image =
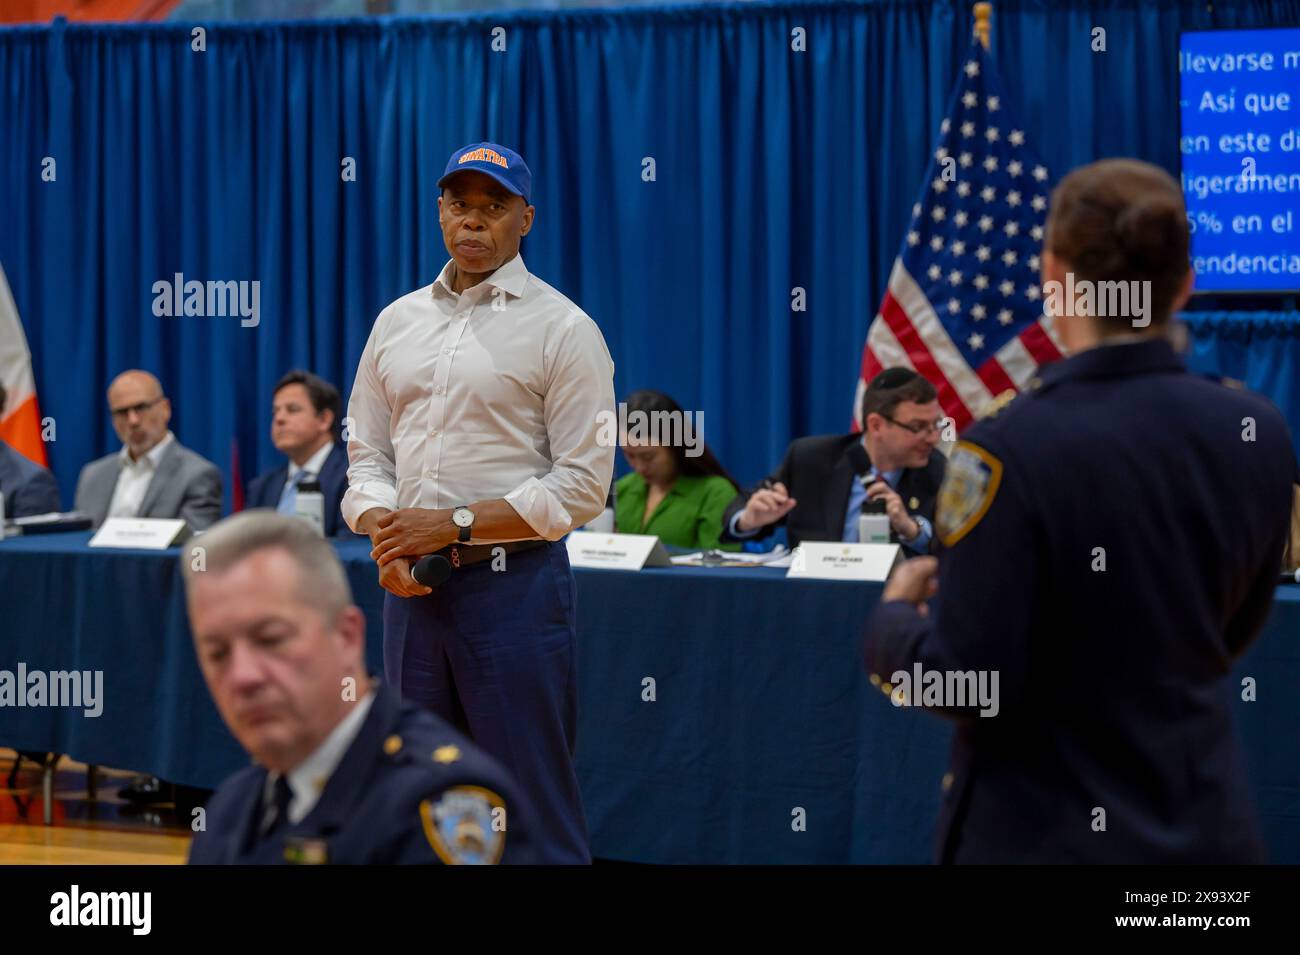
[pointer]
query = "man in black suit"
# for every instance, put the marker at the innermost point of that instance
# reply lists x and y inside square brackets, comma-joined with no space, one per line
[825,481]
[305,412]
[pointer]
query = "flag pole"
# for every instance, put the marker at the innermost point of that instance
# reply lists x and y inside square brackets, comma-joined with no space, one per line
[983,15]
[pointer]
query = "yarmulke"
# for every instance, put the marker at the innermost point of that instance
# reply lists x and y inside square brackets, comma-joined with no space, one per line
[892,378]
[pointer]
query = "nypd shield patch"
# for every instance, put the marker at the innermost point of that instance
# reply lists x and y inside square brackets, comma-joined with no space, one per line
[465,825]
[969,484]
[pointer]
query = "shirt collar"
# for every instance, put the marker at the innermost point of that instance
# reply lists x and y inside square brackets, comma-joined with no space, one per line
[314,463]
[153,456]
[307,780]
[510,278]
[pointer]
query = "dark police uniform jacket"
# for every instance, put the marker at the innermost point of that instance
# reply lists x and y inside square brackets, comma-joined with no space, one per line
[410,790]
[1110,544]
[818,472]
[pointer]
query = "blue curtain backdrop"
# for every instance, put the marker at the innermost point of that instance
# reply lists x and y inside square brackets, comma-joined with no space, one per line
[773,169]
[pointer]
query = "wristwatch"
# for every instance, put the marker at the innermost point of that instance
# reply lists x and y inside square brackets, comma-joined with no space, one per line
[463,518]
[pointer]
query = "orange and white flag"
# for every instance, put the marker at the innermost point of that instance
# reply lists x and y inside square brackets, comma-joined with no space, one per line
[20,421]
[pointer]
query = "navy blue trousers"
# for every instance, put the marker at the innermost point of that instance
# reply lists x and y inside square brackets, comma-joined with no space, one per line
[493,653]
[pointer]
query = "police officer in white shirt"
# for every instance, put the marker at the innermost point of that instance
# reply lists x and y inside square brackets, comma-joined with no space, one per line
[473,428]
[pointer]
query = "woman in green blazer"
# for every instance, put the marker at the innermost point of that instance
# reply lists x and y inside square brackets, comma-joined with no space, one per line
[678,497]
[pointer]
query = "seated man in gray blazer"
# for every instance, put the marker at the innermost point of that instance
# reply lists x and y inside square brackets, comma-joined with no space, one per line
[153,475]
[27,487]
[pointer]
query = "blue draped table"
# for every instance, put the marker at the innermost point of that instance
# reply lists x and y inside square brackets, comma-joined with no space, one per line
[763,741]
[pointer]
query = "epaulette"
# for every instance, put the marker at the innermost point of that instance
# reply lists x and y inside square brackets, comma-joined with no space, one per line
[995,405]
[396,748]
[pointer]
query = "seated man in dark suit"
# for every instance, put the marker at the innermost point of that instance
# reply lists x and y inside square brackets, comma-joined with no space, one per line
[821,487]
[27,487]
[344,771]
[304,421]
[153,475]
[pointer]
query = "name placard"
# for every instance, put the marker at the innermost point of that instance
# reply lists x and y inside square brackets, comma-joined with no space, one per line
[829,560]
[141,533]
[616,551]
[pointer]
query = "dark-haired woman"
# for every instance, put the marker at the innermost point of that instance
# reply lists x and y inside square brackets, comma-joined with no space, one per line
[1111,543]
[674,491]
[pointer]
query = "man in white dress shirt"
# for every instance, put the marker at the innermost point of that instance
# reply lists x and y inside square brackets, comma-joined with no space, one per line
[473,428]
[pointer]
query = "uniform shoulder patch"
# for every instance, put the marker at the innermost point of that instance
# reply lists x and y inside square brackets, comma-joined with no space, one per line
[466,825]
[970,481]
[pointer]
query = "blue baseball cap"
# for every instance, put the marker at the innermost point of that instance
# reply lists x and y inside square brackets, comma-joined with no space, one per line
[504,165]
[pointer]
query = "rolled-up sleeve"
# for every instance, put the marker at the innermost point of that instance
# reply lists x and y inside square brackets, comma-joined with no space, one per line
[579,397]
[372,468]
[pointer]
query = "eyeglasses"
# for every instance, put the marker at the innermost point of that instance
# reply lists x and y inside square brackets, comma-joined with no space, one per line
[140,408]
[919,428]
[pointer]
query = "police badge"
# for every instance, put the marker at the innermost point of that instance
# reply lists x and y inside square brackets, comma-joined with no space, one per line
[466,826]
[969,483]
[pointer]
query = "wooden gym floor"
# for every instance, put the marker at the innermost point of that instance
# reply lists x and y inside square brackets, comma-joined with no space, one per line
[107,831]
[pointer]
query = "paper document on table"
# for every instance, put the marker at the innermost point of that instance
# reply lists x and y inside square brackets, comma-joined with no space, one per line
[47,518]
[780,557]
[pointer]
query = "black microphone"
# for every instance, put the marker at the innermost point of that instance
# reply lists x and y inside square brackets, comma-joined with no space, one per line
[1290,577]
[431,570]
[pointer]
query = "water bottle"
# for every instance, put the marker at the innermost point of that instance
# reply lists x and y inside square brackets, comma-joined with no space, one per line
[310,504]
[873,523]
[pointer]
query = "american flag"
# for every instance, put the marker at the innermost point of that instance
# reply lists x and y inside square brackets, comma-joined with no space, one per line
[964,304]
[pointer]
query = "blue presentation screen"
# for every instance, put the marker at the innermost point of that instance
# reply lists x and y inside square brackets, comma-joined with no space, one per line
[1240,148]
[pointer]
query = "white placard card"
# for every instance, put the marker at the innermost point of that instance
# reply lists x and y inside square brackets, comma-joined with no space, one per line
[829,560]
[616,551]
[140,533]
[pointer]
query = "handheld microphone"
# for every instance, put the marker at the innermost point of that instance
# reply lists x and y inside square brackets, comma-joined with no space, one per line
[431,570]
[873,521]
[1290,577]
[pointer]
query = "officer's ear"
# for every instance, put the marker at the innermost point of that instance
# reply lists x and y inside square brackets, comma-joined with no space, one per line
[351,625]
[529,212]
[1052,268]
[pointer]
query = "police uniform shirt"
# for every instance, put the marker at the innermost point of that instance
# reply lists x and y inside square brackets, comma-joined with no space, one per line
[307,780]
[1110,545]
[407,789]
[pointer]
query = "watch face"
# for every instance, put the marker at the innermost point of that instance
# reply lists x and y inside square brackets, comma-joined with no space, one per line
[462,517]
